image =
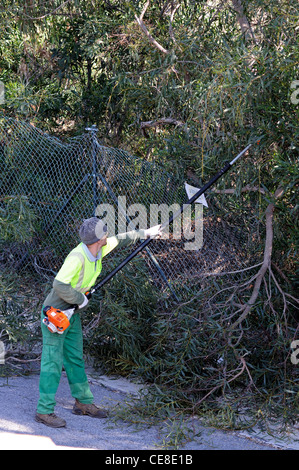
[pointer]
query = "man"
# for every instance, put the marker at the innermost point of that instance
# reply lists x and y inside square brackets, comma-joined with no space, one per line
[75,278]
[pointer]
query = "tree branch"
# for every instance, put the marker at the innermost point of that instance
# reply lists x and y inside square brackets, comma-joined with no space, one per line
[228,381]
[48,14]
[246,189]
[146,31]
[171,33]
[266,262]
[161,122]
[242,20]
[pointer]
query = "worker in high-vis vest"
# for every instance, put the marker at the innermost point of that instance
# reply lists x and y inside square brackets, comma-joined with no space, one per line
[76,277]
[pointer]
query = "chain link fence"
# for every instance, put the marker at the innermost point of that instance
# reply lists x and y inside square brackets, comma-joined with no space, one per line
[55,185]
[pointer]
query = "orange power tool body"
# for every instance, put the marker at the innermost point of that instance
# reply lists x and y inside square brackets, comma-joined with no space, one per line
[57,320]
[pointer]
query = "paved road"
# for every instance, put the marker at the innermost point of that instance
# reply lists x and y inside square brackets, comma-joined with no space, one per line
[18,429]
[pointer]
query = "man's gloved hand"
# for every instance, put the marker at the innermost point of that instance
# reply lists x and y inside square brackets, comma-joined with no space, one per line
[84,303]
[153,232]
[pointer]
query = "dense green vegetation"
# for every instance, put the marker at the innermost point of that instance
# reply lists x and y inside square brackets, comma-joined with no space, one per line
[187,84]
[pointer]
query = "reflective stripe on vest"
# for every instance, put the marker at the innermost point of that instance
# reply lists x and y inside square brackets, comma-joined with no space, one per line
[90,270]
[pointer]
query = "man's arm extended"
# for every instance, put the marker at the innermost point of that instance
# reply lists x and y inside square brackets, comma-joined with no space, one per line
[129,238]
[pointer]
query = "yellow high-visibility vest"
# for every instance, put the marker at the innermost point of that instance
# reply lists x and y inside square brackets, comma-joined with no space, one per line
[79,271]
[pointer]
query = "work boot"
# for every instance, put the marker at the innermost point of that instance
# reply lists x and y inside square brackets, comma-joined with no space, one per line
[50,420]
[89,410]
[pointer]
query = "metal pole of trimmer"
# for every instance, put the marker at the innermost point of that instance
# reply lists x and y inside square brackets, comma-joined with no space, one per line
[144,244]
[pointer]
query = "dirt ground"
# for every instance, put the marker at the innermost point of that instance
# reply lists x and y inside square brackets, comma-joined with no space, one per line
[19,430]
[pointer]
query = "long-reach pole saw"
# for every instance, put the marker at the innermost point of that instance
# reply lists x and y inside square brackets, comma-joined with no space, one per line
[172,218]
[51,315]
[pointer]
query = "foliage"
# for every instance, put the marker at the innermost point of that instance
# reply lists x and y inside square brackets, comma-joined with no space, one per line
[16,219]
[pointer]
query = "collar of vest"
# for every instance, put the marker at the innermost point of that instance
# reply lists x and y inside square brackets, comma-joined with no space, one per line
[90,255]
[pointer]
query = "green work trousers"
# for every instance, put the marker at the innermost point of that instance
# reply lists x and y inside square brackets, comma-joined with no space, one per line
[58,351]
